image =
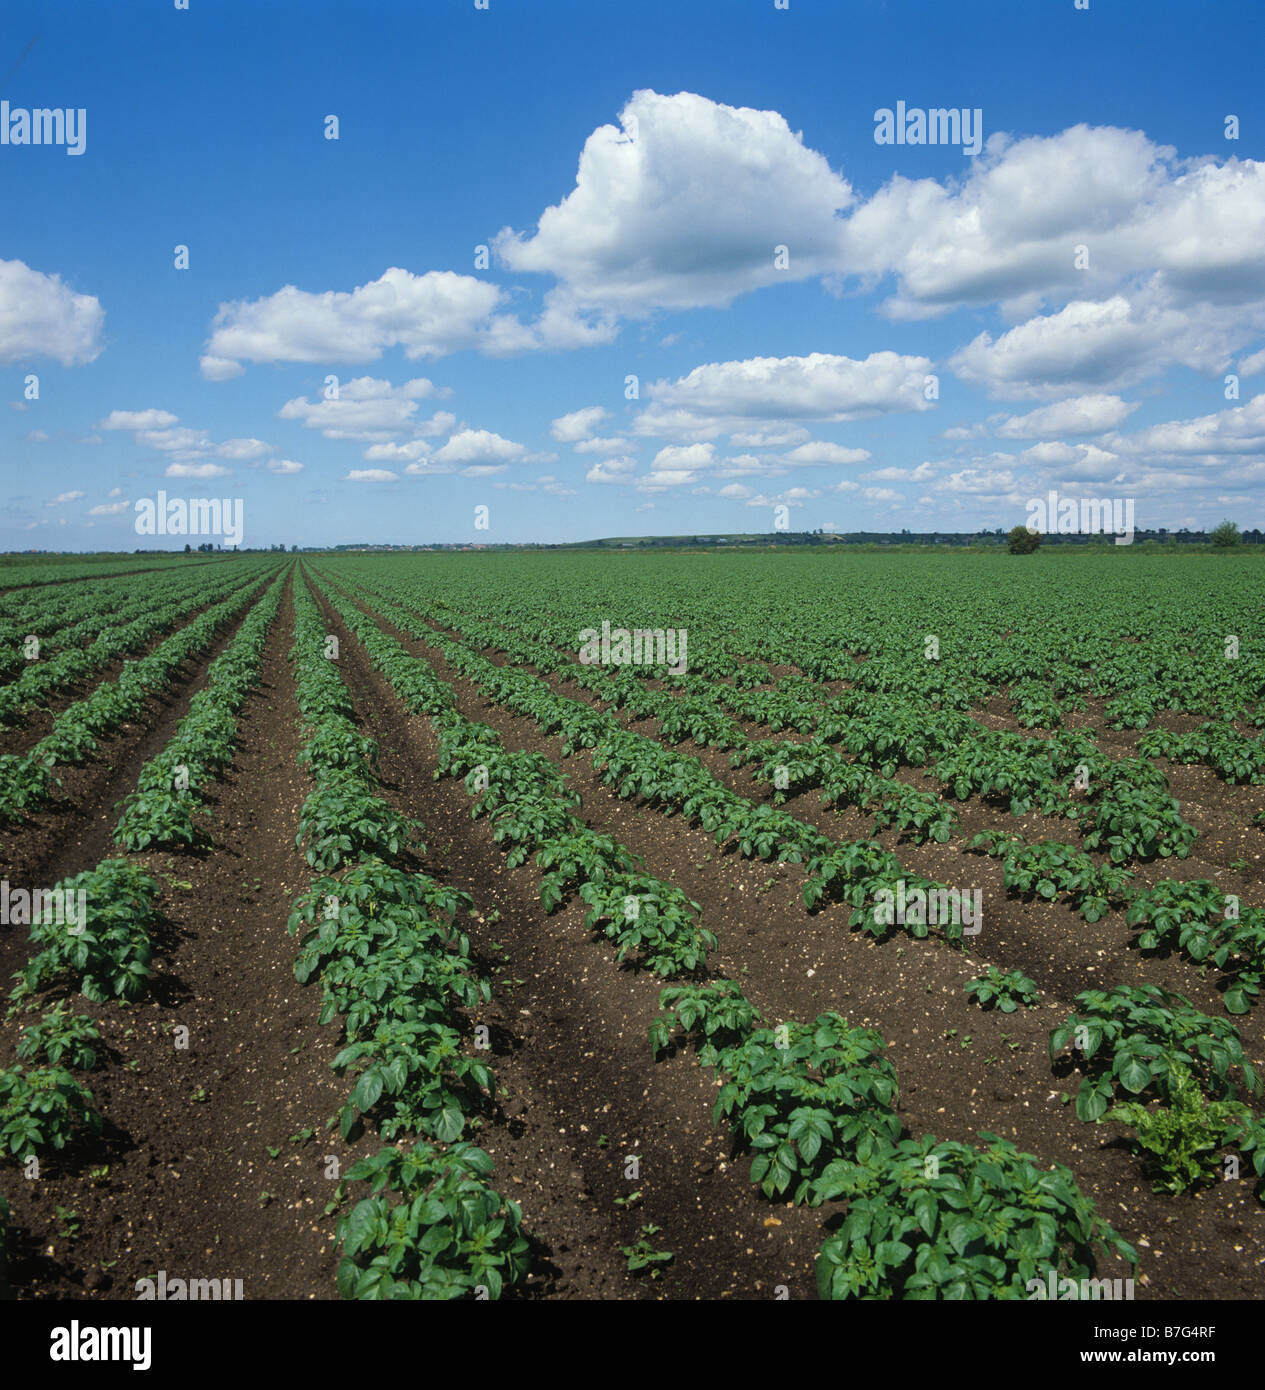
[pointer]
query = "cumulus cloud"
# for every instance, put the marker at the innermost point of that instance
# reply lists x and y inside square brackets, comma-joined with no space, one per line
[1009,230]
[243,450]
[1092,344]
[369,409]
[219,368]
[579,425]
[63,497]
[682,205]
[684,456]
[1240,430]
[483,448]
[980,482]
[604,444]
[398,453]
[426,315]
[283,466]
[612,470]
[921,474]
[109,508]
[792,497]
[371,475]
[41,316]
[1092,414]
[1057,461]
[783,437]
[173,440]
[196,470]
[138,420]
[724,397]
[819,454]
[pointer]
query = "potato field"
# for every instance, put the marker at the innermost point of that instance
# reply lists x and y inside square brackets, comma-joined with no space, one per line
[812,924]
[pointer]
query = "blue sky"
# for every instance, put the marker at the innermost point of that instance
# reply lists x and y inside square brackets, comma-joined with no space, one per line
[1078,291]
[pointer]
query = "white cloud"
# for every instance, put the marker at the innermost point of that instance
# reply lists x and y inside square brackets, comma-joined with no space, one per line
[604,444]
[921,474]
[684,456]
[196,470]
[243,449]
[793,497]
[776,438]
[1240,430]
[1091,414]
[725,397]
[441,422]
[138,420]
[172,440]
[683,207]
[371,475]
[819,453]
[427,315]
[367,409]
[1087,345]
[109,508]
[283,466]
[219,368]
[1064,462]
[1008,230]
[482,448]
[64,497]
[580,424]
[1253,365]
[398,453]
[659,480]
[982,482]
[40,316]
[612,470]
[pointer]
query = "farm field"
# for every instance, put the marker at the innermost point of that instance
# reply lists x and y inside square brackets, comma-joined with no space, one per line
[417,935]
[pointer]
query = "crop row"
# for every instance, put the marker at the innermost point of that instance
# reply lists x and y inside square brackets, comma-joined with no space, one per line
[62,617]
[1226,936]
[816,1103]
[92,934]
[1121,805]
[26,781]
[532,811]
[393,964]
[1188,645]
[133,627]
[171,787]
[634,765]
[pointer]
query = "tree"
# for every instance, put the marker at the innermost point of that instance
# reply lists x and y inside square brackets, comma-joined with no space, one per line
[1022,541]
[1226,534]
